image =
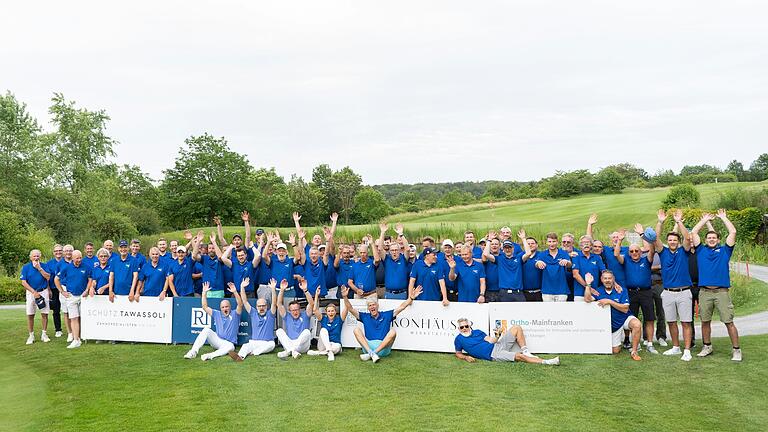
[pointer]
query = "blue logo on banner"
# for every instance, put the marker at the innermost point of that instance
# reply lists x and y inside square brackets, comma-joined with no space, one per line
[189,318]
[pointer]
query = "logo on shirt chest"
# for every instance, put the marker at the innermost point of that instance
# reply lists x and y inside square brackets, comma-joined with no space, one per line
[433,271]
[594,262]
[642,264]
[474,271]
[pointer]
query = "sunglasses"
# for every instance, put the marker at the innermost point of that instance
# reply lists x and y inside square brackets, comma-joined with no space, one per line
[463,327]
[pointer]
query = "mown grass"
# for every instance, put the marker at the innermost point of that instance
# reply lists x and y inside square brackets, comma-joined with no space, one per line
[150,387]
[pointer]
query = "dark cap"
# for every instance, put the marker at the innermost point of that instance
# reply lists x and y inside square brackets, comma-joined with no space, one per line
[429,250]
[122,243]
[238,236]
[507,243]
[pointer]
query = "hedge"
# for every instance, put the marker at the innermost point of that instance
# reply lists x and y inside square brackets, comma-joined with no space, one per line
[746,221]
[11,290]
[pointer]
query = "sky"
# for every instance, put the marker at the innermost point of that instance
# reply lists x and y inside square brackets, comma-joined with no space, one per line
[406,91]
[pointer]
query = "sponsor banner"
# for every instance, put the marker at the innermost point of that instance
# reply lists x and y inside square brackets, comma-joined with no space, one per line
[148,320]
[423,326]
[554,327]
[189,319]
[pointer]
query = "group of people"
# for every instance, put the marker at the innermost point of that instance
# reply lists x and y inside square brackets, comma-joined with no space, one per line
[497,268]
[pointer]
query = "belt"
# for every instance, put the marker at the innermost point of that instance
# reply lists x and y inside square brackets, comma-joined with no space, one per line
[637,288]
[513,291]
[711,288]
[398,291]
[367,293]
[677,289]
[532,291]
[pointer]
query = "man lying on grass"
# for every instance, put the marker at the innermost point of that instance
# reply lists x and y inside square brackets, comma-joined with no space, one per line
[508,345]
[621,318]
[223,340]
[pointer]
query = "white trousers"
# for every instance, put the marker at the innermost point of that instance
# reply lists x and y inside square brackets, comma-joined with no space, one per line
[221,346]
[300,344]
[554,298]
[256,347]
[324,343]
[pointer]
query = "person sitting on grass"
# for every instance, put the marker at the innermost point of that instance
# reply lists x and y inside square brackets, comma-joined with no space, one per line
[329,340]
[295,337]
[508,345]
[621,318]
[223,340]
[377,335]
[262,322]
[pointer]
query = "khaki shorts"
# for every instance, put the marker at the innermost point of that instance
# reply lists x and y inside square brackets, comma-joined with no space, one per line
[677,305]
[711,299]
[72,306]
[32,306]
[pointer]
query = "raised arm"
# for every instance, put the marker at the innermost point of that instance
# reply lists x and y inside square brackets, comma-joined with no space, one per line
[684,233]
[706,217]
[731,239]
[661,217]
[347,304]
[224,257]
[617,246]
[590,223]
[380,244]
[204,299]
[272,287]
[334,219]
[405,304]
[374,250]
[296,219]
[526,247]
[487,255]
[246,217]
[280,305]
[243,297]
[256,256]
[316,306]
[220,231]
[401,237]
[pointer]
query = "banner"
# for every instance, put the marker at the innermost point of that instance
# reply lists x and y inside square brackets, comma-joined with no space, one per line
[189,319]
[148,320]
[554,327]
[423,326]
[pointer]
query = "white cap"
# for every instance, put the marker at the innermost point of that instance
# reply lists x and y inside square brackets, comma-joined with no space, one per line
[322,246]
[448,242]
[181,248]
[282,246]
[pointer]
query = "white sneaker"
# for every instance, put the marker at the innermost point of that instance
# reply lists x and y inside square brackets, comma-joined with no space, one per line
[295,354]
[190,354]
[736,355]
[205,357]
[331,356]
[70,337]
[675,350]
[663,342]
[31,339]
[529,354]
[649,347]
[74,344]
[314,353]
[374,357]
[686,356]
[705,351]
[282,355]
[44,337]
[552,362]
[58,334]
[365,357]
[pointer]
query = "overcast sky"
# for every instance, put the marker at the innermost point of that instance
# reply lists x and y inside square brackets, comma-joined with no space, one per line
[406,91]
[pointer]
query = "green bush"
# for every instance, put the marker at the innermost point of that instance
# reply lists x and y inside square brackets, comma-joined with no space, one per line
[737,199]
[681,196]
[746,221]
[11,290]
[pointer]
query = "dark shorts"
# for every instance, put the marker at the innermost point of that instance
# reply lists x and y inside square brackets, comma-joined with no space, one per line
[511,296]
[532,296]
[642,300]
[491,296]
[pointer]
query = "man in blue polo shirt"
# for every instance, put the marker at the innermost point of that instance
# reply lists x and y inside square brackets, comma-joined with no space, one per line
[531,274]
[428,276]
[34,278]
[447,250]
[396,268]
[281,266]
[637,270]
[363,278]
[89,257]
[205,255]
[554,264]
[598,248]
[227,323]
[262,322]
[492,248]
[241,267]
[677,299]
[123,274]
[470,276]
[180,274]
[73,281]
[585,262]
[295,336]
[136,253]
[314,269]
[52,266]
[622,319]
[377,335]
[712,258]
[153,276]
[510,267]
[469,241]
[507,346]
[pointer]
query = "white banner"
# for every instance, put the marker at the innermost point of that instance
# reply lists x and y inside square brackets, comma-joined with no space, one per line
[555,327]
[149,320]
[423,326]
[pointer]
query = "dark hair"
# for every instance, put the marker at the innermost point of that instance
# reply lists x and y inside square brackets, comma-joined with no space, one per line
[240,249]
[552,235]
[387,237]
[89,244]
[532,238]
[672,233]
[715,233]
[294,302]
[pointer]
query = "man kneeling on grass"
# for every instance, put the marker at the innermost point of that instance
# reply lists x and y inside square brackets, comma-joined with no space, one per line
[508,345]
[377,335]
[227,323]
[621,318]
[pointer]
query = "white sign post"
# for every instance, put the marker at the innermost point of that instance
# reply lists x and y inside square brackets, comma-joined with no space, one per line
[149,320]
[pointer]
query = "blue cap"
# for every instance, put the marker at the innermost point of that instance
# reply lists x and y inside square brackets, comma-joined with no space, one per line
[649,235]
[123,243]
[429,250]
[507,243]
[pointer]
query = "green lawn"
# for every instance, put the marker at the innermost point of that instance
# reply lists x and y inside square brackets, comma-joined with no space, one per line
[150,387]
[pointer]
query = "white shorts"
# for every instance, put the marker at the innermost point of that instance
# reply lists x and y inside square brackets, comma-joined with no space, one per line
[72,306]
[554,297]
[618,335]
[32,306]
[578,299]
[678,305]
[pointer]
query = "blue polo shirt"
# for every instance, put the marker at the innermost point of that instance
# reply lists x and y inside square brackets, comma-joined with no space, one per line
[532,275]
[315,276]
[264,273]
[477,252]
[674,268]
[33,277]
[553,277]
[167,258]
[364,275]
[91,262]
[638,273]
[395,273]
[294,326]
[262,327]
[140,260]
[182,276]
[612,263]
[713,265]
[492,274]
[123,269]
[330,273]
[474,345]
[377,328]
[510,270]
[227,326]
[154,278]
[344,272]
[333,328]
[449,284]
[617,317]
[242,271]
[52,267]
[429,278]
[75,278]
[593,265]
[101,276]
[212,272]
[282,270]
[468,280]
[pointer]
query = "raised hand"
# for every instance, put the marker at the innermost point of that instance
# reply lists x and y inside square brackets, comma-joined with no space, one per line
[207,287]
[246,281]
[245,216]
[451,261]
[188,235]
[399,229]
[639,228]
[292,238]
[301,233]
[521,234]
[622,234]
[721,214]
[383,227]
[296,216]
[334,217]
[492,235]
[592,219]
[302,284]
[327,233]
[284,284]
[200,235]
[344,291]
[217,220]
[662,215]
[708,217]
[678,216]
